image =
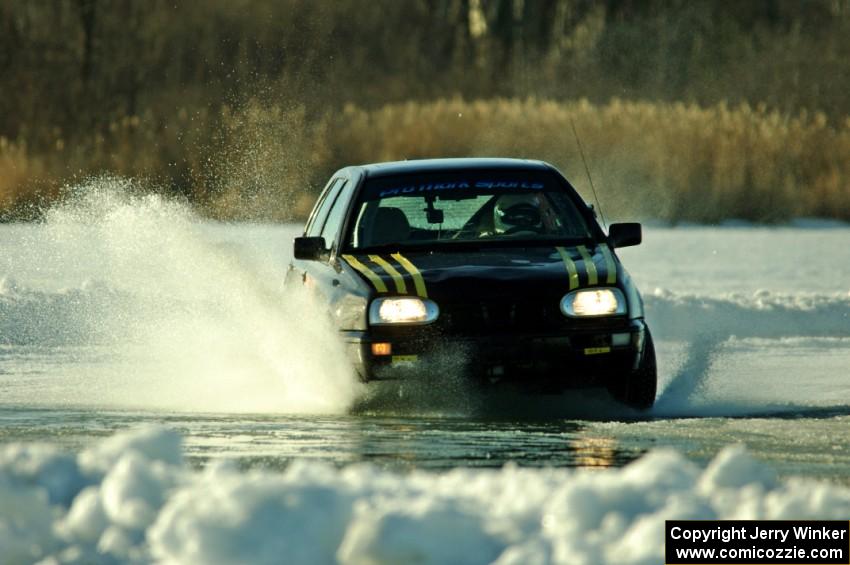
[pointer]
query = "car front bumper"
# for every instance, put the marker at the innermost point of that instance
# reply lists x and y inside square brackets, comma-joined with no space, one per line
[576,357]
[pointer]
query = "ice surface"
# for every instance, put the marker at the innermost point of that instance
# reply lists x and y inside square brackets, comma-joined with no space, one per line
[131,499]
[712,261]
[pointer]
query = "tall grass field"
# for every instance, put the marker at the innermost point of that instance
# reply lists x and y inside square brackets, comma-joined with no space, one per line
[648,160]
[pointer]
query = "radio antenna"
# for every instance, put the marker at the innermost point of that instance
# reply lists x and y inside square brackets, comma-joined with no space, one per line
[587,170]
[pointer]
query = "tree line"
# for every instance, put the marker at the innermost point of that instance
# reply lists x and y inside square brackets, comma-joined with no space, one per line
[73,69]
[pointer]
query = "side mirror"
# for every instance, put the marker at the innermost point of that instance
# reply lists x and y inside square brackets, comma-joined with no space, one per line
[625,234]
[310,248]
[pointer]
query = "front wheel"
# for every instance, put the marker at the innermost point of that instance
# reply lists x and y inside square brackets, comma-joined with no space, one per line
[638,389]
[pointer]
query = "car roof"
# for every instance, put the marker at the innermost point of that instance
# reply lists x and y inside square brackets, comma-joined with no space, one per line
[452,164]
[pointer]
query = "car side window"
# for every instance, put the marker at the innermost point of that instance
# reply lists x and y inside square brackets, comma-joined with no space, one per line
[330,231]
[317,220]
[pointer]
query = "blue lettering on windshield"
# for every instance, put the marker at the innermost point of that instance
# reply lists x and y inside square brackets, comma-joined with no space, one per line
[429,187]
[511,184]
[416,188]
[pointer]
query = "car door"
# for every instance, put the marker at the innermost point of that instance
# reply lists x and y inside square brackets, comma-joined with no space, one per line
[322,273]
[315,224]
[341,290]
[327,223]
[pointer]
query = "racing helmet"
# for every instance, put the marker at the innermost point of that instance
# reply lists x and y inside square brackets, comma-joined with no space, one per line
[517,212]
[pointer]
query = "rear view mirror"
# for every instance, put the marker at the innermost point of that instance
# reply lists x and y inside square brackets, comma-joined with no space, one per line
[434,216]
[310,248]
[625,234]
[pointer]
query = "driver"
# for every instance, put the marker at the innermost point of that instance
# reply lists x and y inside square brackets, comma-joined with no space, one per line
[517,213]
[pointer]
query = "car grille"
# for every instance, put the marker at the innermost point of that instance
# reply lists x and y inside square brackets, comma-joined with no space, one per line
[476,318]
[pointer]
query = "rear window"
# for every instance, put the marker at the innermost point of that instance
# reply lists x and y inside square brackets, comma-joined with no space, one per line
[463,207]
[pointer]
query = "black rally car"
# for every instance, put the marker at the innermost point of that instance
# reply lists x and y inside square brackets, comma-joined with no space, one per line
[496,261]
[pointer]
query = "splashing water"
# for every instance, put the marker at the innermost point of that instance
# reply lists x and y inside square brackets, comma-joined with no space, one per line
[186,319]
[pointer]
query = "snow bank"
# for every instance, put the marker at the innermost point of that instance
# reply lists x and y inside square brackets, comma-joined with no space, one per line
[131,499]
[761,314]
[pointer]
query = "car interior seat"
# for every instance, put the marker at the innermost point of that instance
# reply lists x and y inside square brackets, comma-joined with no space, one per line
[389,225]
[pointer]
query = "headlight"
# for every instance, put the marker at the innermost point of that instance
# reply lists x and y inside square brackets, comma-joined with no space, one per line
[593,302]
[402,310]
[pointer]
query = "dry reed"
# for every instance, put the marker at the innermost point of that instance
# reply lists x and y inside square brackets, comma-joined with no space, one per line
[676,162]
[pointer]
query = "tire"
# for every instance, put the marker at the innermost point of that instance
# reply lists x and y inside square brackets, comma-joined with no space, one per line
[638,390]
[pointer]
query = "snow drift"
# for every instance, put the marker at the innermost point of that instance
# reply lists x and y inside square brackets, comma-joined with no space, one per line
[132,499]
[762,314]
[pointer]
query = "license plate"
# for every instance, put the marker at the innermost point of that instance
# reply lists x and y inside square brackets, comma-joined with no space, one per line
[407,359]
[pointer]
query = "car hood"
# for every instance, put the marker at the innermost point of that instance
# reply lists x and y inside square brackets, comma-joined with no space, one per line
[502,272]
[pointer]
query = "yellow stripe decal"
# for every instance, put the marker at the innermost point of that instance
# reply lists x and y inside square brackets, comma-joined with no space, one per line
[400,287]
[367,272]
[588,264]
[610,265]
[570,266]
[418,281]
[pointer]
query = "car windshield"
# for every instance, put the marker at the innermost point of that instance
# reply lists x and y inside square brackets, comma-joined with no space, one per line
[463,207]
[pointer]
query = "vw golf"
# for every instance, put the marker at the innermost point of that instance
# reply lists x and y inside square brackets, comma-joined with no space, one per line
[498,259]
